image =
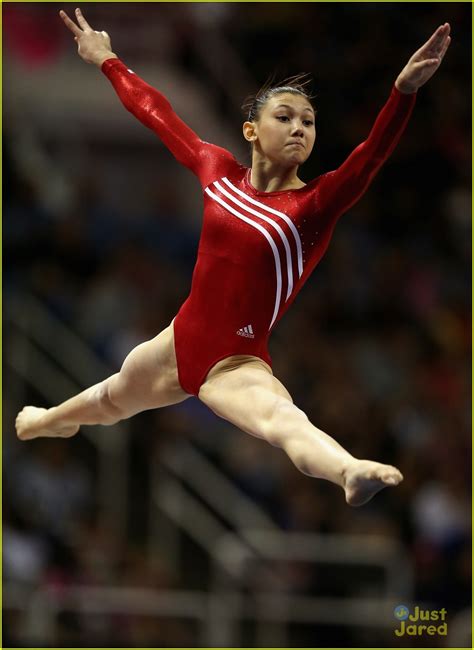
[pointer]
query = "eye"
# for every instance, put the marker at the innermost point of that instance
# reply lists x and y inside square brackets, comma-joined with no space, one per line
[308,122]
[282,118]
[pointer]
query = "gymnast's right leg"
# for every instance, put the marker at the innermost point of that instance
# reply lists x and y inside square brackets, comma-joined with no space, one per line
[147,380]
[253,399]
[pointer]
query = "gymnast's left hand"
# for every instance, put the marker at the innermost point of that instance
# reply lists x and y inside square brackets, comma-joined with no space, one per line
[424,63]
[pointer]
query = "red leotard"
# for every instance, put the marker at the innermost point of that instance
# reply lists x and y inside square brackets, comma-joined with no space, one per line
[257,249]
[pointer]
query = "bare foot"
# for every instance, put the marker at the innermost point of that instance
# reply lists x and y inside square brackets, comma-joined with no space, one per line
[364,478]
[30,424]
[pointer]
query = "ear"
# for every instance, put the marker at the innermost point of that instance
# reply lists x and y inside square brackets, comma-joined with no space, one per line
[249,131]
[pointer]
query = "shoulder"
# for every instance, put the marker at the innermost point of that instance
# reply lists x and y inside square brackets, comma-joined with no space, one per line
[314,183]
[216,162]
[220,153]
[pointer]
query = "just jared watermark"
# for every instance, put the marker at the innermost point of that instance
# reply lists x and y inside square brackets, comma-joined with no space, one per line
[421,621]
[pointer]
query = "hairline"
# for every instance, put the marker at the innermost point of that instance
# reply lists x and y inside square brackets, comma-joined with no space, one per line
[281,90]
[308,108]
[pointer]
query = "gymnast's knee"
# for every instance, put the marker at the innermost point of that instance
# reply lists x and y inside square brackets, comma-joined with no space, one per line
[283,423]
[111,412]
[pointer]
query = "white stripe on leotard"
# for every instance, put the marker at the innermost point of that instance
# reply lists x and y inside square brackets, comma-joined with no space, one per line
[289,260]
[282,215]
[267,236]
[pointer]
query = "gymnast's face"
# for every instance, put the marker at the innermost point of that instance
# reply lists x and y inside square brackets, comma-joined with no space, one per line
[284,133]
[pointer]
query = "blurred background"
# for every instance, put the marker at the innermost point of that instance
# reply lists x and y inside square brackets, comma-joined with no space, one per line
[174,528]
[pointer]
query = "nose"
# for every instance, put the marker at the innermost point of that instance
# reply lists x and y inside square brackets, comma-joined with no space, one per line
[297,130]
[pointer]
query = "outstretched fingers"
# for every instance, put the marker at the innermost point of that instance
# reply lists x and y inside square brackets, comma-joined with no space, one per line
[438,36]
[75,29]
[437,43]
[70,24]
[445,46]
[82,21]
[436,55]
[441,46]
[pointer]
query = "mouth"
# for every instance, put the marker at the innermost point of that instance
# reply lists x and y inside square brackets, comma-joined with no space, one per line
[299,144]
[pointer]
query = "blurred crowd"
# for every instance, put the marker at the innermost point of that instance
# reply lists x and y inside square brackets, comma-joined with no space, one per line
[375,350]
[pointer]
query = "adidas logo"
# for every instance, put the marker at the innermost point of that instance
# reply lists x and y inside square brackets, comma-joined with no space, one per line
[246,331]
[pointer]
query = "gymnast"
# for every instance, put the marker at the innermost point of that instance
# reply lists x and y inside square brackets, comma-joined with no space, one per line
[263,233]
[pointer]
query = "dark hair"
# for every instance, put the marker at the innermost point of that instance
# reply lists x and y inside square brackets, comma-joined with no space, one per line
[299,84]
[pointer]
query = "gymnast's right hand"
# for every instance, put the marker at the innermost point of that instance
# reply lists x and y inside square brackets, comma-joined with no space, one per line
[94,47]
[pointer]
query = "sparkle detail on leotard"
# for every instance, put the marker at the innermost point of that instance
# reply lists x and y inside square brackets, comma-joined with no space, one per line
[277,213]
[270,240]
[272,222]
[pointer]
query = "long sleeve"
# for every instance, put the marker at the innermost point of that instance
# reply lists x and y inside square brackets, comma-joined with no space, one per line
[153,110]
[338,190]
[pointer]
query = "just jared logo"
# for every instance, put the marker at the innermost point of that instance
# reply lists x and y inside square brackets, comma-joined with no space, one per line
[410,624]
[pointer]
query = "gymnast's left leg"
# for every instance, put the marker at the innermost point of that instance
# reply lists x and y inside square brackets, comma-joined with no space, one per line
[249,396]
[148,379]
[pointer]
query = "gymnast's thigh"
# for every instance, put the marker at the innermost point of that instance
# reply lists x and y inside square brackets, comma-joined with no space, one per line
[244,391]
[148,377]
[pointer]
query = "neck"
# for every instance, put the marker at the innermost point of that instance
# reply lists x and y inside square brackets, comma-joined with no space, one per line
[267,177]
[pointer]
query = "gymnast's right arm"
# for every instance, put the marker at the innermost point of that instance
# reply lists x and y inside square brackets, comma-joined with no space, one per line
[154,111]
[145,102]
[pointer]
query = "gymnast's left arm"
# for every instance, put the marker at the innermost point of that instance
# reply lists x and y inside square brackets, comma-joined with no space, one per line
[340,189]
